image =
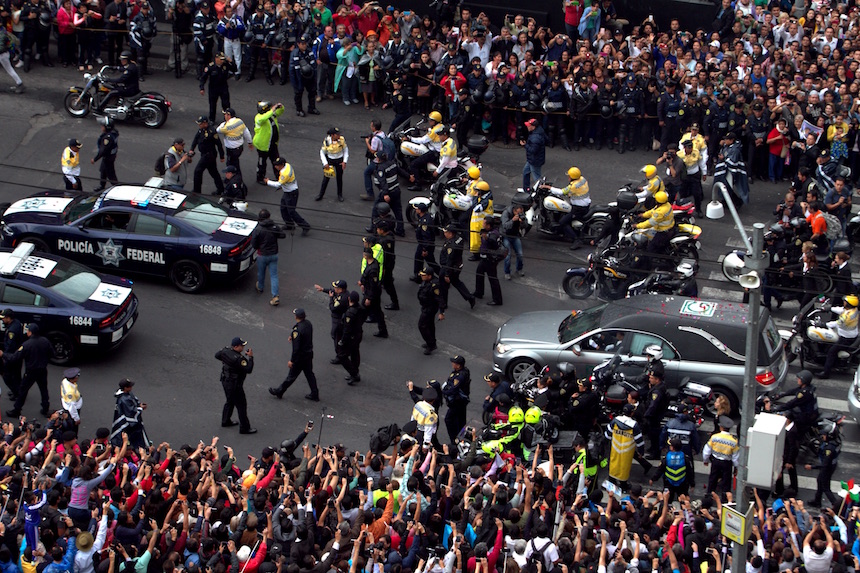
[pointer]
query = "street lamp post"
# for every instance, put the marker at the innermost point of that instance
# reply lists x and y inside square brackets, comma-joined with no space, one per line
[756,262]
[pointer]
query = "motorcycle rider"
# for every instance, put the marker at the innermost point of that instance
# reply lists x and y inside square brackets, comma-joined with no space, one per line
[126,85]
[653,183]
[447,153]
[804,403]
[582,102]
[303,71]
[204,26]
[633,100]
[578,195]
[846,328]
[433,140]
[261,31]
[143,31]
[661,221]
[654,362]
[682,281]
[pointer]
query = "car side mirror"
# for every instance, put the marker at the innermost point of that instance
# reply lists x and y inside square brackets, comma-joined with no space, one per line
[576,348]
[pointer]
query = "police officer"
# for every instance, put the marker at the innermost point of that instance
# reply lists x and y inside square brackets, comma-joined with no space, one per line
[632,101]
[236,134]
[658,401]
[235,366]
[371,274]
[385,176]
[334,155]
[668,117]
[234,188]
[385,240]
[207,140]
[70,162]
[12,340]
[758,126]
[716,124]
[738,119]
[584,407]
[348,353]
[683,429]
[607,122]
[286,38]
[490,254]
[143,30]
[218,73]
[582,104]
[266,136]
[302,358]
[677,470]
[107,153]
[261,31]
[290,196]
[430,299]
[469,109]
[203,27]
[399,103]
[626,439]
[36,351]
[450,266]
[557,102]
[846,328]
[660,220]
[578,195]
[696,168]
[128,83]
[723,453]
[303,73]
[337,305]
[433,140]
[804,403]
[456,391]
[584,459]
[425,235]
[828,453]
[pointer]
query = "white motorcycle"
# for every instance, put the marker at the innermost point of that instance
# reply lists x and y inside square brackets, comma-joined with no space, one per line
[448,202]
[409,151]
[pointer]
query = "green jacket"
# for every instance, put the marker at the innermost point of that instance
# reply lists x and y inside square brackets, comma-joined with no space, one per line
[263,128]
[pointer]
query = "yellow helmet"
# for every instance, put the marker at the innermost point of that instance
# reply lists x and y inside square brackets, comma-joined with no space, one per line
[649,171]
[328,171]
[574,173]
[533,415]
[436,116]
[516,415]
[482,186]
[851,299]
[661,197]
[474,172]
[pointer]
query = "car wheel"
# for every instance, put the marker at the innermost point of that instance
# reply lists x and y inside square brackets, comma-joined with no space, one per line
[522,370]
[64,347]
[717,391]
[188,276]
[40,245]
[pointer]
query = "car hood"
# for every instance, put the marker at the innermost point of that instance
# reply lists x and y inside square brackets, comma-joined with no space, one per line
[534,327]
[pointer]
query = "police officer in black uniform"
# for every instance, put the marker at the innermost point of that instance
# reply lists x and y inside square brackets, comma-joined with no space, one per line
[716,126]
[450,266]
[738,121]
[804,403]
[36,351]
[386,178]
[235,366]
[582,105]
[128,83]
[107,153]
[207,140]
[758,126]
[286,38]
[633,101]
[234,188]
[430,299]
[455,391]
[584,407]
[426,236]
[654,411]
[385,239]
[303,73]
[557,102]
[466,113]
[143,30]
[399,103]
[372,289]
[348,353]
[203,27]
[668,117]
[606,123]
[12,340]
[828,453]
[337,305]
[261,31]
[218,73]
[302,359]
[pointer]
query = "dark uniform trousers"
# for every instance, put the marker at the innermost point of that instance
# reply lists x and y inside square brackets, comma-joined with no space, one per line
[388,285]
[208,162]
[107,171]
[301,364]
[32,376]
[488,266]
[421,258]
[349,354]
[823,484]
[720,478]
[337,163]
[456,282]
[427,325]
[262,157]
[235,399]
[455,418]
[336,331]
[291,217]
[232,154]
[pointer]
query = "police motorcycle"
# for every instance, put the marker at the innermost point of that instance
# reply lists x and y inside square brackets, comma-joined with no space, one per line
[447,201]
[409,151]
[147,107]
[603,274]
[824,424]
[546,210]
[810,338]
[681,281]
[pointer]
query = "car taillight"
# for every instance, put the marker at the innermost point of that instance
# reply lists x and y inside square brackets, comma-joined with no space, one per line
[106,322]
[239,248]
[766,378]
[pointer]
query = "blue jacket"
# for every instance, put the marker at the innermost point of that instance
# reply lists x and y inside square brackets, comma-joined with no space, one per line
[536,147]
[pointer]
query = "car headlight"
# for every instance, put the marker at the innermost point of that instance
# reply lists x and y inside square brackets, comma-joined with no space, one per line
[502,348]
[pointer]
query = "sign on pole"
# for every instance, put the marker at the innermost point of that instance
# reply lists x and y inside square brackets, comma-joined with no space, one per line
[734,524]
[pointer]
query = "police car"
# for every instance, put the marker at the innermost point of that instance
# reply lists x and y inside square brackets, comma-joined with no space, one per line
[137,229]
[75,307]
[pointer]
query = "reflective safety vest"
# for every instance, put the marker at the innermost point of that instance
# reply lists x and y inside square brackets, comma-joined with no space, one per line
[626,436]
[334,149]
[660,218]
[578,193]
[655,184]
[378,255]
[449,149]
[676,468]
[69,392]
[582,458]
[424,414]
[434,136]
[723,446]
[847,324]
[287,179]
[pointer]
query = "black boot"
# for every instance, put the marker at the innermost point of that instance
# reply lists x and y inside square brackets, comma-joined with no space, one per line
[564,142]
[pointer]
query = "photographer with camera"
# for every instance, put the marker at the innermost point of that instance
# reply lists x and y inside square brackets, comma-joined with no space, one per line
[176,162]
[675,171]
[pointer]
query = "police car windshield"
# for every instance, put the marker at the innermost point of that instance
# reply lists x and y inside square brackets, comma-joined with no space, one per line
[80,207]
[72,281]
[201,214]
[579,322]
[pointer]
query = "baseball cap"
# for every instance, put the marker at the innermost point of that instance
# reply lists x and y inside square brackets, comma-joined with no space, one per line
[492,377]
[203,119]
[715,44]
[74,143]
[299,312]
[458,360]
[237,341]
[531,122]
[231,111]
[230,169]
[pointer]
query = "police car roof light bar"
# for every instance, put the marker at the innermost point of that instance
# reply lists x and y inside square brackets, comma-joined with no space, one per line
[143,196]
[18,256]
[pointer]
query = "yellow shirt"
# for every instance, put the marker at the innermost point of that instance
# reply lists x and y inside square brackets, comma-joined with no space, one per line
[660,218]
[71,161]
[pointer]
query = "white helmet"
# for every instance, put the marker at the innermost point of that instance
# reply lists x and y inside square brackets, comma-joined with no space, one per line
[685,270]
[654,352]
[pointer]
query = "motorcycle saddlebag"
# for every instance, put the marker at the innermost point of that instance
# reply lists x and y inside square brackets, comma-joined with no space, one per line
[477,144]
[627,200]
[616,395]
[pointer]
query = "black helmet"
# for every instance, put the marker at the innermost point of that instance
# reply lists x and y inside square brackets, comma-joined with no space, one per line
[126,55]
[306,69]
[263,106]
[605,112]
[490,96]
[383,209]
[805,377]
[386,62]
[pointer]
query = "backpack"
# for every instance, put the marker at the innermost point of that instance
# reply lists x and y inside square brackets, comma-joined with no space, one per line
[834,226]
[160,169]
[538,553]
[382,439]
[388,146]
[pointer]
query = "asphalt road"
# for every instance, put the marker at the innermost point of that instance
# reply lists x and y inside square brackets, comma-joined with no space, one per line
[171,351]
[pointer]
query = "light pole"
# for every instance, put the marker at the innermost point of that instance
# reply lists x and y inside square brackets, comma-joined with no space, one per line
[756,262]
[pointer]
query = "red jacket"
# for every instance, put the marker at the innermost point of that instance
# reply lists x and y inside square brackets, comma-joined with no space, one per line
[65,25]
[459,82]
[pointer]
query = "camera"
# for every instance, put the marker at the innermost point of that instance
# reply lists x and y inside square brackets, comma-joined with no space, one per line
[189,153]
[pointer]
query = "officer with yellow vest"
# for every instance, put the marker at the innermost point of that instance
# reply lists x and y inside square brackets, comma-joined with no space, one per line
[697,167]
[425,415]
[846,328]
[235,134]
[370,242]
[584,466]
[578,196]
[653,184]
[698,140]
[70,395]
[71,164]
[447,153]
[626,437]
[483,208]
[289,197]
[722,452]
[659,223]
[334,155]
[433,140]
[266,135]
